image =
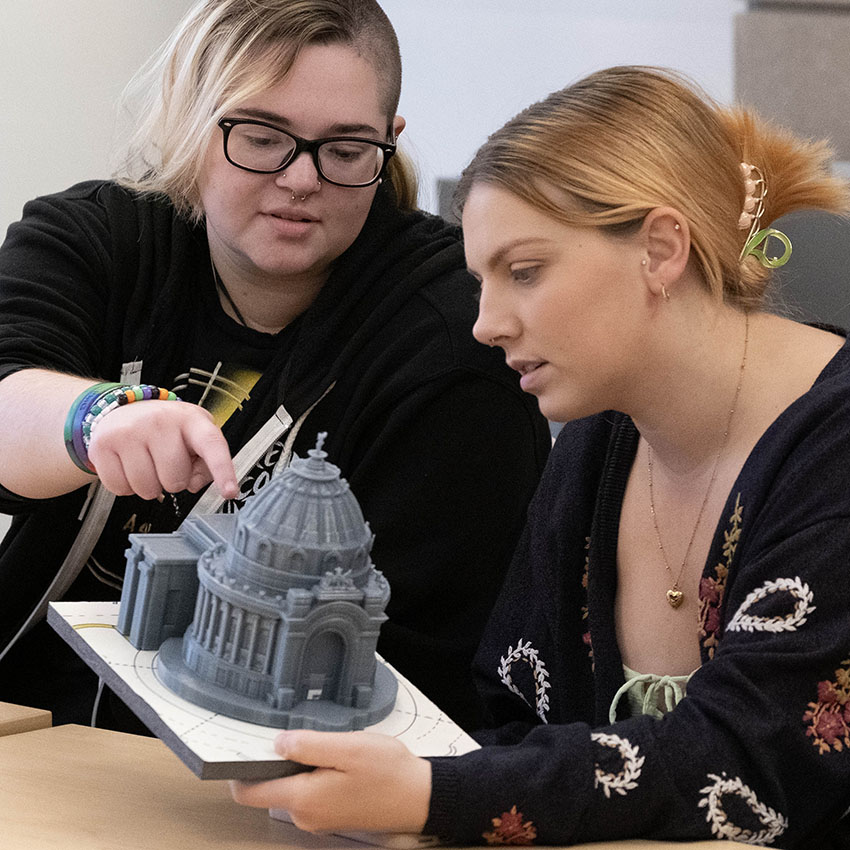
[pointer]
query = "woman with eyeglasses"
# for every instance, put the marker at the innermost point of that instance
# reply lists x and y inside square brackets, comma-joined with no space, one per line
[258,273]
[670,656]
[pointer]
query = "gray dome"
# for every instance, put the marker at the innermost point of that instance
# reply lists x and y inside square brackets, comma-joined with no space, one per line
[302,524]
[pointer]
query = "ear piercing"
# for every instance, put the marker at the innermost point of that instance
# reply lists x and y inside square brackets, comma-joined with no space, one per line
[665,294]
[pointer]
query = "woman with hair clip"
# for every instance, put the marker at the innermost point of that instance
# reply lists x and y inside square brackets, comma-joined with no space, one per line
[670,656]
[261,259]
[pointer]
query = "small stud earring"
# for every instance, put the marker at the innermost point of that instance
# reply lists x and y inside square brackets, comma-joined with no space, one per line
[643,262]
[676,227]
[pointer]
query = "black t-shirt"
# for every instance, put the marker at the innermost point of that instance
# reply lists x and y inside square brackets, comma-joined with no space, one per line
[221,363]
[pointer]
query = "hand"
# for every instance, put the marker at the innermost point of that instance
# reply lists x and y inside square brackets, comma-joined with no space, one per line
[153,446]
[362,781]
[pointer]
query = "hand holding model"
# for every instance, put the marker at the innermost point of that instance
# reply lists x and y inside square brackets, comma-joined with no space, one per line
[362,781]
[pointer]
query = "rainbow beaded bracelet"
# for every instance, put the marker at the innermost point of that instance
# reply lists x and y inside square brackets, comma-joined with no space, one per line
[96,402]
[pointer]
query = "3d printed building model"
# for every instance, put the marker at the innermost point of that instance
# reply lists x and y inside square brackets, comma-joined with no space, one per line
[287,606]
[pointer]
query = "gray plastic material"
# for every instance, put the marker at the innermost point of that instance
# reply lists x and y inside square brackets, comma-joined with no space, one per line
[280,607]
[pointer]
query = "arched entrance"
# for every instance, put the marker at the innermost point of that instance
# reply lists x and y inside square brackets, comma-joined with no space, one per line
[323,670]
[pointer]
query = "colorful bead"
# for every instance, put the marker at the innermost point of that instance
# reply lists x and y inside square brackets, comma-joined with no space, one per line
[95,403]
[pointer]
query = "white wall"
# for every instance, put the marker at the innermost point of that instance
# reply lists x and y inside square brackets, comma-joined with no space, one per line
[63,64]
[469,65]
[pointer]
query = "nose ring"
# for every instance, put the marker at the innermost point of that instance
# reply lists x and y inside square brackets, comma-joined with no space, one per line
[304,197]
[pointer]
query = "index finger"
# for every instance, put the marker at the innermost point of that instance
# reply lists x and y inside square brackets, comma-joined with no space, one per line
[209,444]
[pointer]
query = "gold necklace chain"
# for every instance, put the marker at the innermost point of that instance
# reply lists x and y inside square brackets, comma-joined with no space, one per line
[675,596]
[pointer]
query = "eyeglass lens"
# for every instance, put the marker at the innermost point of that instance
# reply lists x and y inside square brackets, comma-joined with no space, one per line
[266,149]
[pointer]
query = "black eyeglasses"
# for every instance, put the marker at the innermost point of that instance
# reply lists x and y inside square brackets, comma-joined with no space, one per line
[266,149]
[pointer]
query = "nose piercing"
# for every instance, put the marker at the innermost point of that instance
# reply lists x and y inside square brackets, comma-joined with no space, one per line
[304,197]
[492,340]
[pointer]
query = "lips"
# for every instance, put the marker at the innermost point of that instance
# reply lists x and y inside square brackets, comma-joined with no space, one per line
[525,366]
[292,215]
[291,224]
[530,372]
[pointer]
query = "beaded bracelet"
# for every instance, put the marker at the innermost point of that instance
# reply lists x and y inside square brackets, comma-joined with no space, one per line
[74,420]
[93,404]
[118,397]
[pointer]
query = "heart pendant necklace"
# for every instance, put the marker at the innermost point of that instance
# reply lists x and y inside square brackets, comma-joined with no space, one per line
[675,597]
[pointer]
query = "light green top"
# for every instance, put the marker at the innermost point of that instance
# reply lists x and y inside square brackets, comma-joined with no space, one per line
[649,693]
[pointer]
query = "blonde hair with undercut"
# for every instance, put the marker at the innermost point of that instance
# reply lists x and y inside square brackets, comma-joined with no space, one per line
[620,142]
[224,52]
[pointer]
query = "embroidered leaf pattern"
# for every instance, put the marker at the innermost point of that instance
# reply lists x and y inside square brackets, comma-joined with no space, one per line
[527,653]
[775,824]
[510,829]
[796,588]
[828,718]
[712,588]
[585,611]
[625,779]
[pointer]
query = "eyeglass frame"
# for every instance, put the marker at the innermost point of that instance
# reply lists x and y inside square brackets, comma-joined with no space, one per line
[311,146]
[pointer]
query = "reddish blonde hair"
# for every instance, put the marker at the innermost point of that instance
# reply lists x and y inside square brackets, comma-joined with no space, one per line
[627,139]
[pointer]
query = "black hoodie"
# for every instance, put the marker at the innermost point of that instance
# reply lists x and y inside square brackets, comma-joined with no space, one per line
[439,444]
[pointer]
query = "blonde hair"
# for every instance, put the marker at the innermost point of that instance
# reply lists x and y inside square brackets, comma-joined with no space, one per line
[226,51]
[627,139]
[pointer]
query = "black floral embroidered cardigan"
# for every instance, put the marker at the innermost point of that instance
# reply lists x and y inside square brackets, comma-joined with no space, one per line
[759,749]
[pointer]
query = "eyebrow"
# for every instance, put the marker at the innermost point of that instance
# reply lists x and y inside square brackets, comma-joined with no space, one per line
[335,129]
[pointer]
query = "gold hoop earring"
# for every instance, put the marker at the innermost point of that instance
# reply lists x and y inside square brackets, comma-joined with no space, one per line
[665,293]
